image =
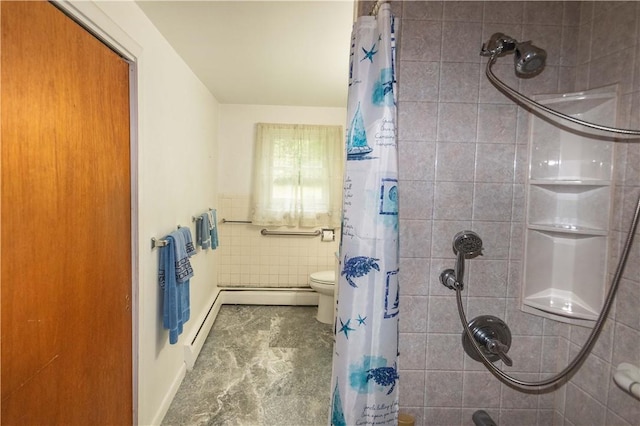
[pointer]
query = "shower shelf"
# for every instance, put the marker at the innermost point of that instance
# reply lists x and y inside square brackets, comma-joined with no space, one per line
[564,303]
[569,193]
[569,183]
[568,229]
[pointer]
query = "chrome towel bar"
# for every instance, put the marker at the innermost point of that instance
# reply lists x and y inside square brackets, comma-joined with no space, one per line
[158,243]
[198,218]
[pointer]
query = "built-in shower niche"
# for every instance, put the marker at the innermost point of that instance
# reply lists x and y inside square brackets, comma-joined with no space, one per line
[569,193]
[567,152]
[559,279]
[558,206]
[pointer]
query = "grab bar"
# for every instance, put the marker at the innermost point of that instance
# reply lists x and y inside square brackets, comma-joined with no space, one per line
[235,221]
[315,233]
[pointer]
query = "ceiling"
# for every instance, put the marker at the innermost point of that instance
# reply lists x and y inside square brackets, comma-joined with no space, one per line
[262,52]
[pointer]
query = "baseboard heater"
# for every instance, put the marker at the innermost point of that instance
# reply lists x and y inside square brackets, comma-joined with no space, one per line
[242,296]
[196,340]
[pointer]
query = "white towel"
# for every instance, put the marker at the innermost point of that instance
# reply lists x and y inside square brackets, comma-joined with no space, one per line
[212,223]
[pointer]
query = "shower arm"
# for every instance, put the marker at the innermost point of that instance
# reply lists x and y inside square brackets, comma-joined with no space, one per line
[554,381]
[535,105]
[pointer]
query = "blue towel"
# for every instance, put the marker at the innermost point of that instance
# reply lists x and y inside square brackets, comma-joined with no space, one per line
[188,241]
[214,230]
[203,231]
[184,249]
[173,316]
[174,272]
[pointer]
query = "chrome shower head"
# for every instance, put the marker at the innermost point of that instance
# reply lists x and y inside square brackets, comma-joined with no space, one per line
[467,243]
[529,60]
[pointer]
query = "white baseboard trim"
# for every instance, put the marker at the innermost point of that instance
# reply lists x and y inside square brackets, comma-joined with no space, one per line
[276,296]
[168,398]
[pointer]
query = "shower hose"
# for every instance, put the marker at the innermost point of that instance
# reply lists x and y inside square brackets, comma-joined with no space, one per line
[539,107]
[552,382]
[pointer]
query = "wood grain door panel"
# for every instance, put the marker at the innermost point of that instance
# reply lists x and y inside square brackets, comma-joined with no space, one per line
[66,223]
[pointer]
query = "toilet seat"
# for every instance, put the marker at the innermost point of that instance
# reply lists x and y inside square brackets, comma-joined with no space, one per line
[324,277]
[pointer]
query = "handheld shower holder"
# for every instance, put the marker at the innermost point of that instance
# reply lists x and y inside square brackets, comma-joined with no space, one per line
[498,45]
[448,279]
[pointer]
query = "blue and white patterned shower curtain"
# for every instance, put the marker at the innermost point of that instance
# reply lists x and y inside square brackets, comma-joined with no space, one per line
[365,369]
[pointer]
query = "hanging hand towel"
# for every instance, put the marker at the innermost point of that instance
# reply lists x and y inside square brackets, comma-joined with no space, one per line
[203,231]
[214,229]
[185,304]
[172,311]
[184,249]
[212,223]
[188,241]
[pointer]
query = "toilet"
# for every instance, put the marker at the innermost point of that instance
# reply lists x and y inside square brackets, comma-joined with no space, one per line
[324,283]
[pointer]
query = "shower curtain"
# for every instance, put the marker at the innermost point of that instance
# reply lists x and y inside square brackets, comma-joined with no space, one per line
[365,367]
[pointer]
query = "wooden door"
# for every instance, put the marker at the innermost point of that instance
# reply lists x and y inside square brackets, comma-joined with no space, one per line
[66,322]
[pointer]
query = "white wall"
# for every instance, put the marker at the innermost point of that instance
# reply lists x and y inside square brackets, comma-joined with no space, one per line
[247,258]
[177,179]
[237,126]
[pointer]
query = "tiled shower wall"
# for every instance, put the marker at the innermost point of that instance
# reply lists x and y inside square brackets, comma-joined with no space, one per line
[463,156]
[608,52]
[251,260]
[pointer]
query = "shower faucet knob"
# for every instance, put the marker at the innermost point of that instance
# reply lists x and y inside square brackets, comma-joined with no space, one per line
[498,348]
[492,336]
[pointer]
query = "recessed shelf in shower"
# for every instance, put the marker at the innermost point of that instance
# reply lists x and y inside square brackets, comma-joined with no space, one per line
[569,195]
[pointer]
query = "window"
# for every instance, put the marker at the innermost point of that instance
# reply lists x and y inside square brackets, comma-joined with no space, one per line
[297,175]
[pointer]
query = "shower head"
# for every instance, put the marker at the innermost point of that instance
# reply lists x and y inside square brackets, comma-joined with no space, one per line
[467,243]
[529,60]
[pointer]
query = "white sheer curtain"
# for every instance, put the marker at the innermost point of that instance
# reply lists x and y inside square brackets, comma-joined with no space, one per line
[298,171]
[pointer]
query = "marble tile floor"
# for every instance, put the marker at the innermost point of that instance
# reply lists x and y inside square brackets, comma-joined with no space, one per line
[260,366]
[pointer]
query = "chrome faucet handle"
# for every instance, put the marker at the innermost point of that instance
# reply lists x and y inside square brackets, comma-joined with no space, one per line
[496,347]
[492,337]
